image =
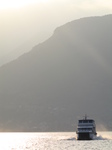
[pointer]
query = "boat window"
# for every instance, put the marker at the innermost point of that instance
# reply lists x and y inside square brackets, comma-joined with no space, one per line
[84,129]
[85,121]
[90,129]
[90,121]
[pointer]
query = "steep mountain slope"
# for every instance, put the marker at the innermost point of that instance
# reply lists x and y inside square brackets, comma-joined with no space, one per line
[68,75]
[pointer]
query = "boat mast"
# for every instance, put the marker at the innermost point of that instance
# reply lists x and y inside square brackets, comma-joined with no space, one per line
[85,117]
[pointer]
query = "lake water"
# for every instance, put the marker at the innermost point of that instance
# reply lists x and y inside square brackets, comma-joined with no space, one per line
[53,141]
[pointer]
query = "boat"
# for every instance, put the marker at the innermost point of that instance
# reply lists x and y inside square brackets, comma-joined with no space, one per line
[86,129]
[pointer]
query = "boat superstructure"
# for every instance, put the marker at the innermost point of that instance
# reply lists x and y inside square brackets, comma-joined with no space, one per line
[86,129]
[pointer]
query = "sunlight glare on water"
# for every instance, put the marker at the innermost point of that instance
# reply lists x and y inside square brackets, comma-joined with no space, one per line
[53,141]
[11,140]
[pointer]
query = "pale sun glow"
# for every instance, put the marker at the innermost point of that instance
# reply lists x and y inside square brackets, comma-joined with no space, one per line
[7,4]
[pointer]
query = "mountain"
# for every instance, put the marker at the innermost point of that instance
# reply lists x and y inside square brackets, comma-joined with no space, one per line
[61,79]
[18,35]
[25,47]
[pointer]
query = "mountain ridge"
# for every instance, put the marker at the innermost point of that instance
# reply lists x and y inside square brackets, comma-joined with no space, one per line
[61,78]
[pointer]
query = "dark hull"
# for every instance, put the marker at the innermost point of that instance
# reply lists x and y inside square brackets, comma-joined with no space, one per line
[84,136]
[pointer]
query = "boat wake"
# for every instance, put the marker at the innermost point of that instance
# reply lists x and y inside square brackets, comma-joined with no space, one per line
[100,138]
[71,139]
[104,136]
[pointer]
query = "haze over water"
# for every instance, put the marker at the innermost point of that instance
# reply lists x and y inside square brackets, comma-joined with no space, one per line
[51,141]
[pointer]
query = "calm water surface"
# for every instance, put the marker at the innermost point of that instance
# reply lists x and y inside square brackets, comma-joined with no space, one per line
[53,141]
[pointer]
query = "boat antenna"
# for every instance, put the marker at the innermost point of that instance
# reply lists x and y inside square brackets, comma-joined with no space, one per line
[85,117]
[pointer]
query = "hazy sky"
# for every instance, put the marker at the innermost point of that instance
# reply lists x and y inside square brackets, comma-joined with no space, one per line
[27,20]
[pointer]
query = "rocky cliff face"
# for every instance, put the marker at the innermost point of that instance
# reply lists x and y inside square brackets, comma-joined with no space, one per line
[60,80]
